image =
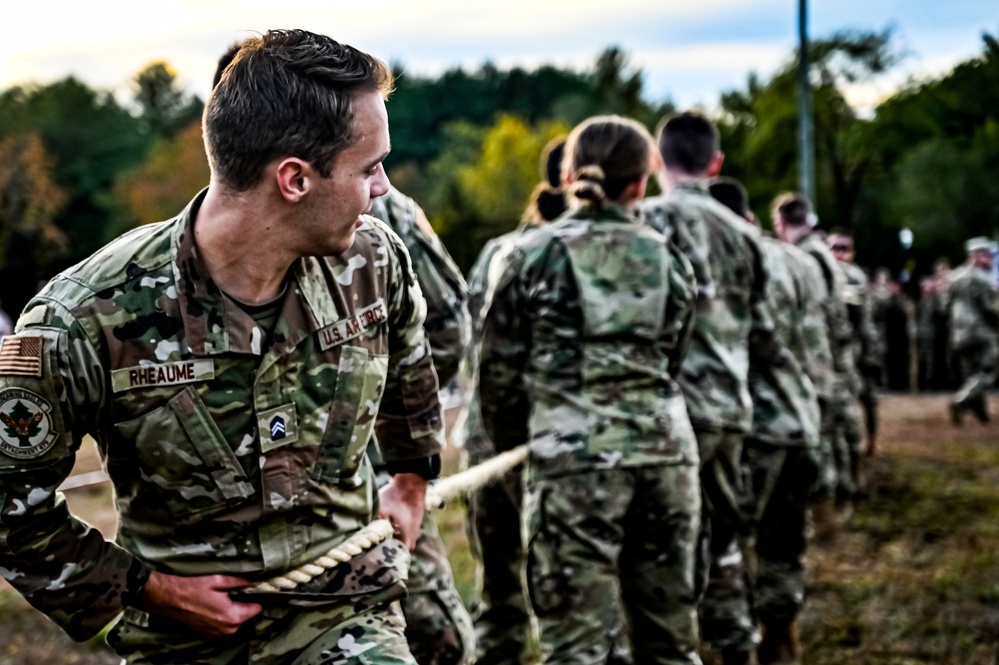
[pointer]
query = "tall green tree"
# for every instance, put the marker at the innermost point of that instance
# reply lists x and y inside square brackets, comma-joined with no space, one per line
[91,139]
[759,125]
[30,200]
[163,107]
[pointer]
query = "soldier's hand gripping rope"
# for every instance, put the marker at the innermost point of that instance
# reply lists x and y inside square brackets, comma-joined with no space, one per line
[448,488]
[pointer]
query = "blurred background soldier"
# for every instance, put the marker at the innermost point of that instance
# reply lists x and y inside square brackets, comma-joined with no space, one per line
[891,310]
[438,627]
[781,451]
[728,264]
[866,345]
[579,351]
[974,325]
[793,220]
[935,372]
[503,619]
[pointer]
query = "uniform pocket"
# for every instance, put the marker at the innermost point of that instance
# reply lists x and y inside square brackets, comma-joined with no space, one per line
[359,384]
[180,451]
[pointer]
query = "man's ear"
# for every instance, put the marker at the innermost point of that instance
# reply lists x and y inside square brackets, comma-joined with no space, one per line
[293,178]
[715,167]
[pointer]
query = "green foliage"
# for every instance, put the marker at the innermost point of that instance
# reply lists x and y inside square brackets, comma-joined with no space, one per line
[163,108]
[480,184]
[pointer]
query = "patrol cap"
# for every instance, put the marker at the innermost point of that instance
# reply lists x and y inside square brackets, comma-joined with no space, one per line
[980,244]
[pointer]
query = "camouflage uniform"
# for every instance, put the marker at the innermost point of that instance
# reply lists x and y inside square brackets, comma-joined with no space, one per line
[503,621]
[577,357]
[974,321]
[781,450]
[731,312]
[867,365]
[233,450]
[837,399]
[438,626]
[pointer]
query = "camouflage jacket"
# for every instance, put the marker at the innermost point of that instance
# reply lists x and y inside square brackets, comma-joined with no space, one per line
[230,451]
[730,313]
[974,313]
[581,344]
[447,323]
[838,327]
[785,406]
[865,345]
[817,360]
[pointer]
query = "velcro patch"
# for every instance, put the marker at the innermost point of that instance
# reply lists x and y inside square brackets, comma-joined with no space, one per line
[278,427]
[21,356]
[351,327]
[26,430]
[162,374]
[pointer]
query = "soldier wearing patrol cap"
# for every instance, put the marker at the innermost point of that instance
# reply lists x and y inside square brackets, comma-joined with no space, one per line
[974,326]
[232,363]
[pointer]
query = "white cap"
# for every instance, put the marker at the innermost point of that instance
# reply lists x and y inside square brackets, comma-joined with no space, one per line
[979,244]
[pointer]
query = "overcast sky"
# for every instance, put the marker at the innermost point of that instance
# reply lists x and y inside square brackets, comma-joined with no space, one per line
[690,52]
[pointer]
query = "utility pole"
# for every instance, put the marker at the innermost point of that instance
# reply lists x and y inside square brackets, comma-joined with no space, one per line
[806,138]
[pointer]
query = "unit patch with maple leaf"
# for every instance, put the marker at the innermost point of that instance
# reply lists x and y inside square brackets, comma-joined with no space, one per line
[25,424]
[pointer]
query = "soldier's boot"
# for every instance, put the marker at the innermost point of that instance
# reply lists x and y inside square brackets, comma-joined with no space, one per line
[980,408]
[825,524]
[955,414]
[779,645]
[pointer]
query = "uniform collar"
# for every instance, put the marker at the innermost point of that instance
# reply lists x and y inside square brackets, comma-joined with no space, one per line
[214,324]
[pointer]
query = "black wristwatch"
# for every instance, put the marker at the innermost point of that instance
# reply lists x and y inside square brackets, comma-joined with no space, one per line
[428,468]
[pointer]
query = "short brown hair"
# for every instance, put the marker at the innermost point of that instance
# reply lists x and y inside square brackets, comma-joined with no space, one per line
[793,209]
[688,142]
[606,154]
[286,93]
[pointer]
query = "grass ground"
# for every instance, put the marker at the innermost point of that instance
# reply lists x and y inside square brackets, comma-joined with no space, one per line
[914,578]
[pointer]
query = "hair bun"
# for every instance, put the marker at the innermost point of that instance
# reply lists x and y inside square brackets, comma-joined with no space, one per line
[590,173]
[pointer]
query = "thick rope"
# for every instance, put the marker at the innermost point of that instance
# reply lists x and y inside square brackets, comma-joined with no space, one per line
[464,482]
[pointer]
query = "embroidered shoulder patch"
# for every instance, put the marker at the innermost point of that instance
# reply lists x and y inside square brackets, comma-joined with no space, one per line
[25,424]
[21,356]
[351,327]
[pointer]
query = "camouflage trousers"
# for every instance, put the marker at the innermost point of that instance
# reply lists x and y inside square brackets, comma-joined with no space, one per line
[847,437]
[611,565]
[347,630]
[503,619]
[438,627]
[869,401]
[725,616]
[781,479]
[978,365]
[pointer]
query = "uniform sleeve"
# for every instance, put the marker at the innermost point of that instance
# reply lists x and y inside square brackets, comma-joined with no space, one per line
[680,309]
[763,347]
[51,392]
[870,346]
[447,321]
[409,424]
[504,352]
[815,329]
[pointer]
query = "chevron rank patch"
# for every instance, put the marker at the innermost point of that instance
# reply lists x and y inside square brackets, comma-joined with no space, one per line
[278,427]
[20,356]
[25,424]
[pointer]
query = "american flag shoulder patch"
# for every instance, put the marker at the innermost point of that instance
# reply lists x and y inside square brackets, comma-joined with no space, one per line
[20,356]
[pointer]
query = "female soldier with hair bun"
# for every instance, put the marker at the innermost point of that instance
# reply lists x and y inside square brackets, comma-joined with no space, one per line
[578,357]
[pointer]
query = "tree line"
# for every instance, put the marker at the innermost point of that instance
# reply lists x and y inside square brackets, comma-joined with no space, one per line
[79,167]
